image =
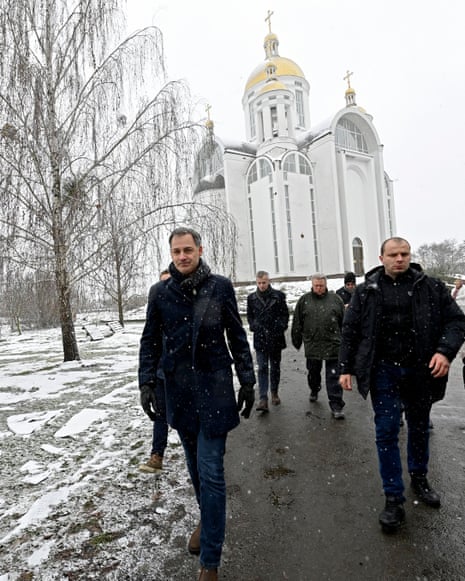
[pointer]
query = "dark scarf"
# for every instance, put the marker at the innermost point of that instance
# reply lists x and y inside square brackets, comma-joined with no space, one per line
[191,283]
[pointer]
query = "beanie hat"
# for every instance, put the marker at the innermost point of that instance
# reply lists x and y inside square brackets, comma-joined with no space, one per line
[349,277]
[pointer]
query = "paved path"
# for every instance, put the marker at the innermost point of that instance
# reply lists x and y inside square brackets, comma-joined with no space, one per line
[304,494]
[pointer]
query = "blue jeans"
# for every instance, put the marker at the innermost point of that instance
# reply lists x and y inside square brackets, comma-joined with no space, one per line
[269,371]
[396,386]
[160,427]
[204,458]
[334,390]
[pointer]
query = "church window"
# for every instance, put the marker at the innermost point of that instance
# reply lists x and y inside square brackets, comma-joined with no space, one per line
[357,251]
[289,164]
[299,104]
[274,231]
[252,177]
[304,166]
[349,136]
[314,229]
[261,133]
[289,228]
[252,235]
[252,122]
[274,121]
[265,169]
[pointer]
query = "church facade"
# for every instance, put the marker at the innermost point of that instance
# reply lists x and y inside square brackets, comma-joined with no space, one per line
[304,198]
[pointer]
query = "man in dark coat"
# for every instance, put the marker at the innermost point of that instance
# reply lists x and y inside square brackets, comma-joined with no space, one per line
[188,317]
[346,291]
[317,324]
[268,318]
[400,333]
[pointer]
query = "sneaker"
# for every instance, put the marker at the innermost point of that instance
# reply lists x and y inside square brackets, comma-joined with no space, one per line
[153,464]
[275,399]
[423,490]
[313,396]
[262,406]
[393,515]
[338,415]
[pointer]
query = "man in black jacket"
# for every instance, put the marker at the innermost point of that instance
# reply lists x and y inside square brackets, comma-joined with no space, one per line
[346,291]
[268,317]
[400,333]
[189,317]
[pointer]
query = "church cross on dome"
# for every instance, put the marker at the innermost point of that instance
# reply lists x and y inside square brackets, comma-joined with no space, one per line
[347,78]
[207,111]
[268,19]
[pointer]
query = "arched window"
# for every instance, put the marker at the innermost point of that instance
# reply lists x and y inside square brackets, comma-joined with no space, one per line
[349,136]
[357,253]
[297,163]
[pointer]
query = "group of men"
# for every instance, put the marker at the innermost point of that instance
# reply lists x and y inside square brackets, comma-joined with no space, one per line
[397,336]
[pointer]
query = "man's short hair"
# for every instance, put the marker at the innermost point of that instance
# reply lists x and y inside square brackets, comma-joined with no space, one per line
[393,239]
[185,231]
[165,271]
[261,274]
[318,276]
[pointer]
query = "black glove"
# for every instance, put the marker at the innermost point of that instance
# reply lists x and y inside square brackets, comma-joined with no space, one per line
[247,397]
[147,399]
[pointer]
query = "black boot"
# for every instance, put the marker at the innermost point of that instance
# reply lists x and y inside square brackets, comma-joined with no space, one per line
[393,515]
[424,491]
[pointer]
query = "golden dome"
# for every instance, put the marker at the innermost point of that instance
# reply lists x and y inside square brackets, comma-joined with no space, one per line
[350,91]
[284,68]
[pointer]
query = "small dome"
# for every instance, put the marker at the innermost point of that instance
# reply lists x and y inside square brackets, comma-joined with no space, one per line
[284,68]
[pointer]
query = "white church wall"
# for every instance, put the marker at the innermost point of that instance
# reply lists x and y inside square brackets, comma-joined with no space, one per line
[326,185]
[303,246]
[235,168]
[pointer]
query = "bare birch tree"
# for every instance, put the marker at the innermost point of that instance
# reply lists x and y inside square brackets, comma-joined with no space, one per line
[77,125]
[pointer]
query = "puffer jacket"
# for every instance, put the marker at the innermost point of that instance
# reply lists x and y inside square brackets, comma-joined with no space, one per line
[439,327]
[317,323]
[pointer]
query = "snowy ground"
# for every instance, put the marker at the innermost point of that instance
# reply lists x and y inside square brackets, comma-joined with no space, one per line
[73,504]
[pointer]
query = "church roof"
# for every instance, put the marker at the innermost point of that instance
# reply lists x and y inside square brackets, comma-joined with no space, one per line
[284,68]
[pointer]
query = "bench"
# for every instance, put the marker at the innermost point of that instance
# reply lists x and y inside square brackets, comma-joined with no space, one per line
[93,333]
[115,326]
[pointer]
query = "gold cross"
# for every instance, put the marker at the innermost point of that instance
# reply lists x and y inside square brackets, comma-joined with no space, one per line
[268,19]
[207,109]
[347,78]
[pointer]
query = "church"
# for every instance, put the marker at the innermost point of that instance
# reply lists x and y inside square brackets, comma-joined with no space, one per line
[304,198]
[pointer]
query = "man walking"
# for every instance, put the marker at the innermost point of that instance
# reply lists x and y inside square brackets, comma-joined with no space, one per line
[346,291]
[187,319]
[155,408]
[268,318]
[317,323]
[400,333]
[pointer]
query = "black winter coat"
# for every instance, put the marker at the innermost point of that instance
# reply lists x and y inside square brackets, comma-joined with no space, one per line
[186,333]
[438,323]
[268,320]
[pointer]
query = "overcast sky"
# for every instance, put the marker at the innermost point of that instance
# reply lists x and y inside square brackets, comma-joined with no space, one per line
[408,64]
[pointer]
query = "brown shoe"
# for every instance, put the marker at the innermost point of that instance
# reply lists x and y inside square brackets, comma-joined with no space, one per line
[275,400]
[193,545]
[208,574]
[154,464]
[262,406]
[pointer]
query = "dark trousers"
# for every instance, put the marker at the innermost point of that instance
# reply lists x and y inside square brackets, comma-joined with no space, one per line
[269,371]
[205,462]
[394,388]
[160,427]
[334,390]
